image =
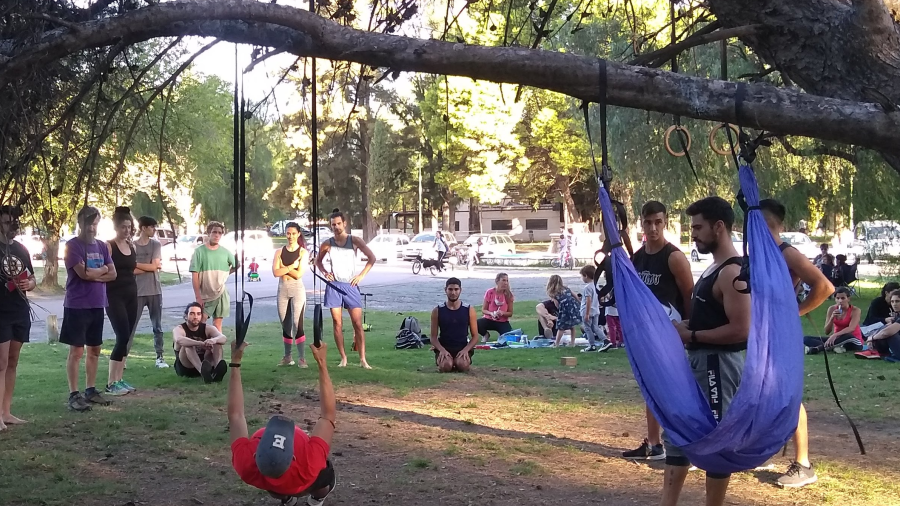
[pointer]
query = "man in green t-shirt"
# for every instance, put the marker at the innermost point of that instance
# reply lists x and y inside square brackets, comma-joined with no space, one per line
[210,267]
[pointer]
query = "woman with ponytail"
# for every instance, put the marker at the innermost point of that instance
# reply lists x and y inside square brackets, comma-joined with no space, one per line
[122,306]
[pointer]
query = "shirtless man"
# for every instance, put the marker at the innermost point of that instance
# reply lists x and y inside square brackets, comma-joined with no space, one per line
[341,250]
[801,472]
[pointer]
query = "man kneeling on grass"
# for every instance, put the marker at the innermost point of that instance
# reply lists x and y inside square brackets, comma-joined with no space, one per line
[452,321]
[281,459]
[198,347]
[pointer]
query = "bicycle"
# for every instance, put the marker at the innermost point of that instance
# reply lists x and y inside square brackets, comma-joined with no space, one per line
[567,263]
[418,264]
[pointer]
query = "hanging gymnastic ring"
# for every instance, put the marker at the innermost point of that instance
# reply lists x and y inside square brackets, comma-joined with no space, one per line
[668,135]
[712,138]
[317,325]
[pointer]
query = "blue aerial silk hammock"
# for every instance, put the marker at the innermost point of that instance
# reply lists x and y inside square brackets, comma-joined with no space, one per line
[763,414]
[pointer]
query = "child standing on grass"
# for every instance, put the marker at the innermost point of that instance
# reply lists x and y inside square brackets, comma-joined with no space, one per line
[590,313]
[568,316]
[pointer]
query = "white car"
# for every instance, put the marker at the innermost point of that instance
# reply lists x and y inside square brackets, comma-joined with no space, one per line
[803,243]
[423,244]
[492,244]
[737,239]
[388,246]
[258,244]
[183,247]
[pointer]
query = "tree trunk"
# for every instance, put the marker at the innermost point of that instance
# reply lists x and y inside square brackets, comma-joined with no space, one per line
[784,38]
[474,217]
[365,140]
[562,186]
[51,262]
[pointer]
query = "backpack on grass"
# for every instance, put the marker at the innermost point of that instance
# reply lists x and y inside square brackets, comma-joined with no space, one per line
[410,335]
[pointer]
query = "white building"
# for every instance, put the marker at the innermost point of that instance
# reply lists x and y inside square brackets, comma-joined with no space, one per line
[521,221]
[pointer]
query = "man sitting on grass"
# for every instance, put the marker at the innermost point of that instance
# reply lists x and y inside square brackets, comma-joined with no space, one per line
[198,347]
[281,459]
[452,322]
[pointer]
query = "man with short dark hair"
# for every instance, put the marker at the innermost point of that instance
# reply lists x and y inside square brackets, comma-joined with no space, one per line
[715,336]
[148,254]
[211,265]
[16,279]
[801,472]
[665,270]
[456,326]
[198,347]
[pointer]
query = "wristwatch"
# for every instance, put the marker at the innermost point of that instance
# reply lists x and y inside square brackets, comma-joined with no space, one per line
[693,336]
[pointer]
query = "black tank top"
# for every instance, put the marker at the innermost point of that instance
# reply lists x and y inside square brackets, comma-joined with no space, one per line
[289,257]
[125,282]
[798,283]
[708,313]
[453,326]
[196,335]
[655,273]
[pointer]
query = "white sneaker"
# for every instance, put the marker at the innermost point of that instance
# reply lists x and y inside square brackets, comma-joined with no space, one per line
[315,502]
[161,363]
[840,349]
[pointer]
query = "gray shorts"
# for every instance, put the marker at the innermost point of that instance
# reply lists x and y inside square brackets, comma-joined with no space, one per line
[719,375]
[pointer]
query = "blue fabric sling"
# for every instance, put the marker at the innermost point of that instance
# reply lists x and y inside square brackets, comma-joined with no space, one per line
[763,414]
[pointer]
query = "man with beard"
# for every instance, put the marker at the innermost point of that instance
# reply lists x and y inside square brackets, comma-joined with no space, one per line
[667,273]
[715,336]
[211,265]
[801,472]
[456,325]
[198,347]
[343,291]
[16,279]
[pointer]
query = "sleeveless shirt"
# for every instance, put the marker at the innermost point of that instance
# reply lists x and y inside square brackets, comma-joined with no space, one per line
[289,257]
[343,259]
[125,282]
[196,335]
[708,313]
[844,322]
[654,271]
[798,285]
[453,326]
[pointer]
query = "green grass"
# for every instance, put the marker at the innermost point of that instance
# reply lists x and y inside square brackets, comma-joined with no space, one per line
[173,425]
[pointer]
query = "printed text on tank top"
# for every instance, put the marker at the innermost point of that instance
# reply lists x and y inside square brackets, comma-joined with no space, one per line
[654,271]
[343,259]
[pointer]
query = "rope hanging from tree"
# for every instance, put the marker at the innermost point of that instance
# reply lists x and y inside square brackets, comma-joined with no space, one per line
[241,321]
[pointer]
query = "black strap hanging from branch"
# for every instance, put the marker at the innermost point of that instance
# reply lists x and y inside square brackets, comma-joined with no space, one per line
[241,321]
[314,219]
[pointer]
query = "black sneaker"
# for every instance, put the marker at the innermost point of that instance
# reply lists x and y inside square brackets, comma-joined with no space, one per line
[77,403]
[218,373]
[206,371]
[589,349]
[93,396]
[604,347]
[646,452]
[798,476]
[657,452]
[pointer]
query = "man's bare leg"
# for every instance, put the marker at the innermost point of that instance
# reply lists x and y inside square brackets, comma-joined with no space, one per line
[715,491]
[653,428]
[673,482]
[189,357]
[359,336]
[801,439]
[217,353]
[4,361]
[217,322]
[445,364]
[91,361]
[15,348]
[462,364]
[337,321]
[73,363]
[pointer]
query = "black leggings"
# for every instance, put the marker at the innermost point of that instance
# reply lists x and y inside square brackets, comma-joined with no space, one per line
[122,311]
[484,325]
[889,347]
[846,340]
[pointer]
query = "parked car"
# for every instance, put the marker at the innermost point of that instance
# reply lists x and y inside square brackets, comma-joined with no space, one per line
[875,239]
[258,244]
[34,244]
[183,248]
[802,242]
[388,246]
[736,237]
[164,236]
[492,244]
[423,244]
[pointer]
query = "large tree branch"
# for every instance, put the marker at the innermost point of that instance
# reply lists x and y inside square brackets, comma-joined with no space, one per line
[819,150]
[764,107]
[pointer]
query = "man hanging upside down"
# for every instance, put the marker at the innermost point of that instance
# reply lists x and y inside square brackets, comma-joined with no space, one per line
[280,458]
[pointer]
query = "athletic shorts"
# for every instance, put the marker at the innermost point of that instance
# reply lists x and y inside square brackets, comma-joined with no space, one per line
[15,327]
[719,375]
[334,299]
[218,308]
[82,327]
[184,371]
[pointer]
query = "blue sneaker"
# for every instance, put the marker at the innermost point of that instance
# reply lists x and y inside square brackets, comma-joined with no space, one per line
[116,389]
[127,386]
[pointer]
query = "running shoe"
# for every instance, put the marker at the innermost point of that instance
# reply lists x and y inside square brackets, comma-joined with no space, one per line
[589,349]
[605,346]
[219,371]
[868,354]
[161,363]
[117,389]
[798,476]
[302,364]
[127,386]
[646,452]
[206,372]
[93,396]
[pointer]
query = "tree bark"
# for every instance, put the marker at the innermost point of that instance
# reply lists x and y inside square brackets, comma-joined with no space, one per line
[562,186]
[474,217]
[783,111]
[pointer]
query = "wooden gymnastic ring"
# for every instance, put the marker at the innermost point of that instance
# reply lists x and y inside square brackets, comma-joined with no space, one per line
[712,138]
[317,325]
[668,134]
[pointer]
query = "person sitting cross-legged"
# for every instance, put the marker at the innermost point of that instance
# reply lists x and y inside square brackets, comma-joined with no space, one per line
[198,347]
[281,458]
[842,325]
[453,322]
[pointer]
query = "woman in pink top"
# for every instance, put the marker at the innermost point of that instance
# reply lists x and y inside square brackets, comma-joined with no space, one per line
[497,308]
[842,325]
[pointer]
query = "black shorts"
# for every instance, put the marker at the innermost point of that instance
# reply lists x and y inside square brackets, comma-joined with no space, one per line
[15,328]
[326,478]
[453,352]
[184,371]
[82,327]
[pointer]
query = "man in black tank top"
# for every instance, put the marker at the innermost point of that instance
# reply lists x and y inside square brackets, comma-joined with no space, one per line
[715,336]
[801,472]
[198,347]
[667,273]
[455,326]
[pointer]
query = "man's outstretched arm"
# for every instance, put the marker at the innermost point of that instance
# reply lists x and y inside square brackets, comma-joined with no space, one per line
[237,423]
[325,426]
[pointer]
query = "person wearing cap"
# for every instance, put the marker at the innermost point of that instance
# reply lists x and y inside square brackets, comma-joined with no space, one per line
[198,347]
[281,458]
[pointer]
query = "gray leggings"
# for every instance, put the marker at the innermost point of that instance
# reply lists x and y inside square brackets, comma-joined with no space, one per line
[291,308]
